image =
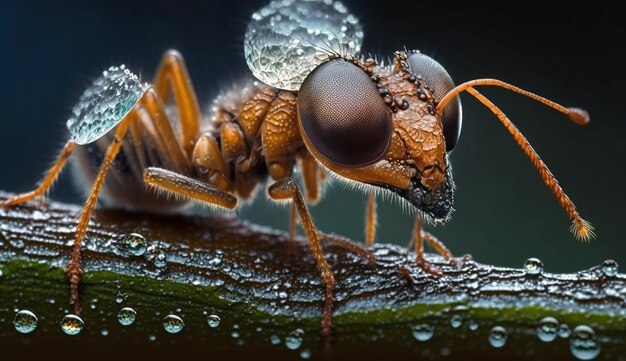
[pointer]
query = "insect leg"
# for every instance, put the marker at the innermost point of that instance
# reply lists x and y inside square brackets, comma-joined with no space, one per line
[347,243]
[47,181]
[370,220]
[311,176]
[172,76]
[183,186]
[418,239]
[73,269]
[287,189]
[439,247]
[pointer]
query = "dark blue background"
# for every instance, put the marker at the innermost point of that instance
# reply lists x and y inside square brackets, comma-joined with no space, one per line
[573,54]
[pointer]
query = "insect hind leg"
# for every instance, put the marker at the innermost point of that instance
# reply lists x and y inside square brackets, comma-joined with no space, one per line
[48,180]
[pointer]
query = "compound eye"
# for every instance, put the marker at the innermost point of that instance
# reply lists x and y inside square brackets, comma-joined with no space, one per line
[437,77]
[343,115]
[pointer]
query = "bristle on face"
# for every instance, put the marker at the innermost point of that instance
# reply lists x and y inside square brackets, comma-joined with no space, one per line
[583,230]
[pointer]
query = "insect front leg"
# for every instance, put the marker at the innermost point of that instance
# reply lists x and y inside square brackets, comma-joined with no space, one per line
[179,185]
[370,219]
[48,180]
[287,189]
[419,236]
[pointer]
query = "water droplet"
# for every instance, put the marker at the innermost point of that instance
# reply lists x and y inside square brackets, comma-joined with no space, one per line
[274,339]
[104,332]
[160,260]
[533,266]
[456,321]
[286,40]
[497,336]
[548,329]
[72,325]
[473,326]
[104,104]
[173,324]
[152,338]
[25,321]
[126,316]
[609,267]
[423,332]
[294,339]
[136,244]
[564,330]
[213,321]
[305,354]
[234,334]
[583,343]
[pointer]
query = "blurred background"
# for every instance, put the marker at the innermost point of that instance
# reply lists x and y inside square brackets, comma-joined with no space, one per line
[573,54]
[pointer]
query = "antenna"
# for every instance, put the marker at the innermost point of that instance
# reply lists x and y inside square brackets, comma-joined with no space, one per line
[582,229]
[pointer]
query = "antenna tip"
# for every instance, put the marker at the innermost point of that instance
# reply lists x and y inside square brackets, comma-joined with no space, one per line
[583,230]
[578,116]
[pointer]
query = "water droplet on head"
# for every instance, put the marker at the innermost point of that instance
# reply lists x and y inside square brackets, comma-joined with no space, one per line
[126,316]
[583,343]
[25,321]
[423,331]
[497,336]
[173,324]
[294,339]
[273,55]
[136,244]
[213,321]
[533,266]
[548,329]
[609,267]
[72,325]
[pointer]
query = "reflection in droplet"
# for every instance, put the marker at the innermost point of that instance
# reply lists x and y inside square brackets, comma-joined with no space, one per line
[213,321]
[72,324]
[173,324]
[548,329]
[423,332]
[456,321]
[610,267]
[294,339]
[583,343]
[160,260]
[274,339]
[305,354]
[126,316]
[497,336]
[564,330]
[136,244]
[533,266]
[25,321]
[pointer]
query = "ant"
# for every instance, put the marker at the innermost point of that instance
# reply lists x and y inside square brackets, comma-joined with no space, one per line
[388,129]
